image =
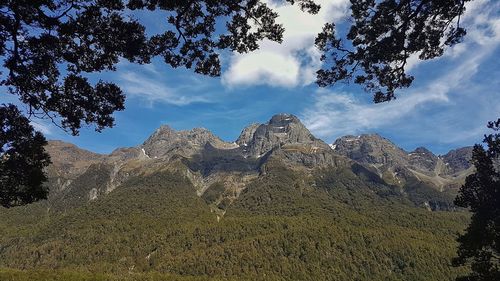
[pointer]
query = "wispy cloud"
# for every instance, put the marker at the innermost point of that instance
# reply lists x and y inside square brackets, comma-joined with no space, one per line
[439,111]
[151,86]
[482,25]
[42,127]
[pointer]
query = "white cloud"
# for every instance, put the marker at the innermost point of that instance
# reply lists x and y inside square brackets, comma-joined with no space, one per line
[148,85]
[461,100]
[45,129]
[450,109]
[278,69]
[293,62]
[482,25]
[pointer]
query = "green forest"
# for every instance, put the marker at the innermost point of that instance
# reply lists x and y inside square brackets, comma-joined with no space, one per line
[284,226]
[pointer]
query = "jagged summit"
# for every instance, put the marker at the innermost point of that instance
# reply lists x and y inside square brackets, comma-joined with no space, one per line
[369,148]
[283,139]
[399,167]
[247,134]
[165,142]
[422,149]
[457,160]
[284,117]
[423,159]
[281,130]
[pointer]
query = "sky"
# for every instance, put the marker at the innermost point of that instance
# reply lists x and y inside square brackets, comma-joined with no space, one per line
[447,107]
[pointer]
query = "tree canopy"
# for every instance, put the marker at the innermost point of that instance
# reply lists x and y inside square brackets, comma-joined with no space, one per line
[48,48]
[383,35]
[22,159]
[480,244]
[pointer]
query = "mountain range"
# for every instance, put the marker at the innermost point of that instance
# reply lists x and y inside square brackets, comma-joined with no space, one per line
[276,204]
[206,159]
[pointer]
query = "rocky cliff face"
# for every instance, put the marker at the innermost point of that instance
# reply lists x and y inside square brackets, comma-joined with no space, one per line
[281,131]
[458,160]
[370,149]
[207,161]
[422,159]
[399,167]
[166,142]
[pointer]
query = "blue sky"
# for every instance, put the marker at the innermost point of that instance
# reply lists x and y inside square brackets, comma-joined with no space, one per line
[447,107]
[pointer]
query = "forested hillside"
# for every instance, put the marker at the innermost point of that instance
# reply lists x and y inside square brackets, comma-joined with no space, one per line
[284,226]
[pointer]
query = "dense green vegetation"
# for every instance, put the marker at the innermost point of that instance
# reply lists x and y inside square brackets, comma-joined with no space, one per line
[480,244]
[284,226]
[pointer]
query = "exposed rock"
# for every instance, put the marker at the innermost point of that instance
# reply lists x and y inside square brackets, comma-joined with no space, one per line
[124,154]
[246,135]
[68,162]
[166,142]
[281,130]
[398,167]
[422,159]
[206,160]
[371,149]
[458,160]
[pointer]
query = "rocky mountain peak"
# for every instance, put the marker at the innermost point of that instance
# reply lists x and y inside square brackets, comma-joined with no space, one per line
[163,132]
[396,166]
[423,159]
[370,149]
[458,159]
[283,119]
[247,134]
[282,129]
[422,150]
[283,139]
[165,142]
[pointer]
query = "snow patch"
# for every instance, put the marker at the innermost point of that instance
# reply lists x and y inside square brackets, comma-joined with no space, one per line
[93,194]
[333,146]
[144,152]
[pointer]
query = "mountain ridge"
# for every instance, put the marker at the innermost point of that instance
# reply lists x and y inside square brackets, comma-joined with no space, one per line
[240,139]
[206,160]
[278,204]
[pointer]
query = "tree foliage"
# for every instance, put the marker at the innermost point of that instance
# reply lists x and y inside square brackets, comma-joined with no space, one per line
[480,244]
[280,228]
[48,48]
[22,159]
[384,34]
